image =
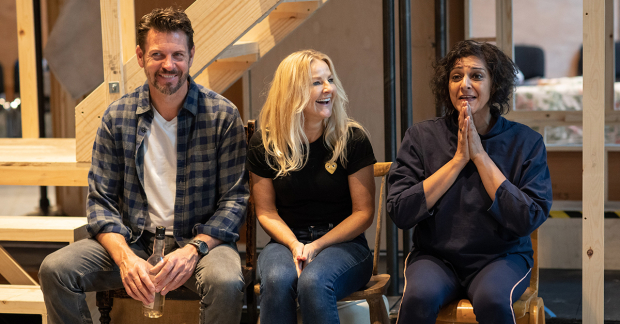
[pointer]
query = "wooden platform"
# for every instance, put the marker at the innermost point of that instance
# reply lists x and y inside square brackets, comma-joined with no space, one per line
[16,299]
[21,299]
[42,228]
[41,162]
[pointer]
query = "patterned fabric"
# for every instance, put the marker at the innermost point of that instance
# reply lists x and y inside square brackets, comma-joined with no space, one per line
[212,189]
[562,94]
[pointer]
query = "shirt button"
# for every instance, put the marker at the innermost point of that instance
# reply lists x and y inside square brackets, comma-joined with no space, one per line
[143,130]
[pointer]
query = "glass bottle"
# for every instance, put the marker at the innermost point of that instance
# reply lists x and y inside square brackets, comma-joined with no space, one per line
[156,308]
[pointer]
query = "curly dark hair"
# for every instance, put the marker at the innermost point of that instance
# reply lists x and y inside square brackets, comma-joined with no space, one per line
[165,20]
[501,69]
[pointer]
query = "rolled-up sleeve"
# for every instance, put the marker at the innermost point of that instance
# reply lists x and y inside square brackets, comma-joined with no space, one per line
[232,184]
[522,207]
[105,181]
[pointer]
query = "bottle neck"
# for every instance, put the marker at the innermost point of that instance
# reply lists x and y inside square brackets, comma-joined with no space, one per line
[158,247]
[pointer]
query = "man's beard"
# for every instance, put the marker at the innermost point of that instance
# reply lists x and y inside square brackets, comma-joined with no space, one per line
[168,88]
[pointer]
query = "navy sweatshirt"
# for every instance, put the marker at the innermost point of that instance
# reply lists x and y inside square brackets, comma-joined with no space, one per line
[465,228]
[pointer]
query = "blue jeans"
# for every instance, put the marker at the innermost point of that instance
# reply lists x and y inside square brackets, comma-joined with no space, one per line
[85,266]
[431,284]
[335,273]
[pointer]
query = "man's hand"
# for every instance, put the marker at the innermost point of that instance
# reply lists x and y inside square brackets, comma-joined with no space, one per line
[175,269]
[135,276]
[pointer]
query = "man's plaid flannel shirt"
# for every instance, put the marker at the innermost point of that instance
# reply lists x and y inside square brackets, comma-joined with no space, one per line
[211,189]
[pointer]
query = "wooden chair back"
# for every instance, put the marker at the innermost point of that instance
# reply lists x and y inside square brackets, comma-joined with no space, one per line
[380,170]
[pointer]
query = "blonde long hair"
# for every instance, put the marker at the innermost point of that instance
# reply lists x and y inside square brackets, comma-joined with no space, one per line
[282,118]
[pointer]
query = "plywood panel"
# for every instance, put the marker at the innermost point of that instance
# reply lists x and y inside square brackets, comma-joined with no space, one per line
[613,176]
[565,170]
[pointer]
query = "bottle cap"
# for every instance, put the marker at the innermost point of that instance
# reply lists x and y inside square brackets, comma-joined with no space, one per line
[160,232]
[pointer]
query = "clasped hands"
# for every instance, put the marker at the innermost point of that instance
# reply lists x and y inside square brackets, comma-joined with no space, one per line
[469,146]
[142,281]
[303,254]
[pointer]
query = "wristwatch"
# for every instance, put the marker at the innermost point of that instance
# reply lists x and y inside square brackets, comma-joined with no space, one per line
[201,247]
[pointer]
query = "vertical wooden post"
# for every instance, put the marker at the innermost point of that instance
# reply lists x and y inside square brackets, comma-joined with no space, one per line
[112,50]
[128,29]
[27,69]
[597,94]
[503,26]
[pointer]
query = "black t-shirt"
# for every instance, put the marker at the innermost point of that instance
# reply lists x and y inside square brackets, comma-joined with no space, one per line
[313,196]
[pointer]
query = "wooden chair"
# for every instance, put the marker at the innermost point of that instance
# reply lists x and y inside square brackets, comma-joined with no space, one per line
[528,309]
[377,285]
[105,299]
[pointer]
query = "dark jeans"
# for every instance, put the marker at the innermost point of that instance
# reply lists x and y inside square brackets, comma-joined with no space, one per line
[431,284]
[335,273]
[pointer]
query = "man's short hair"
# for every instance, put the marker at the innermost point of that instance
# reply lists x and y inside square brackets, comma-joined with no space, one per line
[166,20]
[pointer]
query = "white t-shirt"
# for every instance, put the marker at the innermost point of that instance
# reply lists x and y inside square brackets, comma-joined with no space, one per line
[160,171]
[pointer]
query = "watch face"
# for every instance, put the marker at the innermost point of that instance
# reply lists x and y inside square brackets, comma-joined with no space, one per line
[202,247]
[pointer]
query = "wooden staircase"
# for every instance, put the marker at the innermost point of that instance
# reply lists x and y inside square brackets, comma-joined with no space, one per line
[230,36]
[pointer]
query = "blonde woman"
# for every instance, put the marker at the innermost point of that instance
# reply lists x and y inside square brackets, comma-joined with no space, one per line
[312,173]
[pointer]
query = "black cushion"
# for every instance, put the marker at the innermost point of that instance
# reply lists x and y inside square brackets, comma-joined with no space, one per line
[530,60]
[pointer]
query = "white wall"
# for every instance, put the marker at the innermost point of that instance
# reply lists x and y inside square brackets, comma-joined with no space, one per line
[554,25]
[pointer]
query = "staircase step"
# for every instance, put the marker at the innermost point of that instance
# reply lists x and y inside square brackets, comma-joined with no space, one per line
[43,228]
[41,162]
[21,299]
[240,48]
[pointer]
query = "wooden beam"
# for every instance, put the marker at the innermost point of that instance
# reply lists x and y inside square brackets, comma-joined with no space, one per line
[27,69]
[12,271]
[113,76]
[128,29]
[597,94]
[503,26]
[217,24]
[557,118]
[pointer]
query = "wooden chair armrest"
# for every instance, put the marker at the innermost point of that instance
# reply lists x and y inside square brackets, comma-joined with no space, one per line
[377,285]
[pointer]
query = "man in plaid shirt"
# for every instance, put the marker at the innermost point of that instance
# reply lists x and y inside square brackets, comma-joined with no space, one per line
[171,153]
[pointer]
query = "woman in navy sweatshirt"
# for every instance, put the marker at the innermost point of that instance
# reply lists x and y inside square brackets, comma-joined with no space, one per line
[474,185]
